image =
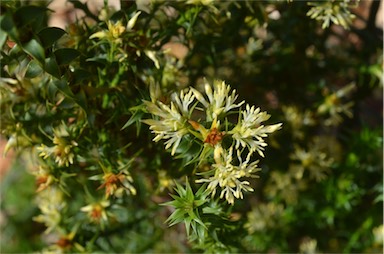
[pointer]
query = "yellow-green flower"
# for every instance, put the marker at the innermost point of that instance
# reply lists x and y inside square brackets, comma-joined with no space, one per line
[165,182]
[298,120]
[44,178]
[264,216]
[115,30]
[197,2]
[51,203]
[334,106]
[112,34]
[308,246]
[62,152]
[313,160]
[97,211]
[286,186]
[378,234]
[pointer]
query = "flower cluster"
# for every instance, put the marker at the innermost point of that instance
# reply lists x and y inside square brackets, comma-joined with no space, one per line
[183,117]
[250,132]
[264,216]
[97,211]
[62,151]
[227,176]
[51,203]
[220,101]
[116,184]
[334,105]
[313,160]
[172,123]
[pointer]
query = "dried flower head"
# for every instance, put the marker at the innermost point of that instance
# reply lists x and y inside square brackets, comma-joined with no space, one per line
[44,178]
[116,184]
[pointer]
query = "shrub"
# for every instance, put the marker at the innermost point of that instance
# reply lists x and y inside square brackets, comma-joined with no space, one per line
[179,126]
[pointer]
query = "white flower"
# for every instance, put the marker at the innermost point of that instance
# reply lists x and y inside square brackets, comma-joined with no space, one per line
[220,101]
[183,101]
[228,176]
[173,118]
[249,132]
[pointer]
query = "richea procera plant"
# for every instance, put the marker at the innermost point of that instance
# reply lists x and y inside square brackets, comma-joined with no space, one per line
[192,126]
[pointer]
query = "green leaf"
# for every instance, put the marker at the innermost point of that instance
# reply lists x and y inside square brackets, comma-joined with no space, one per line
[62,85]
[34,49]
[66,55]
[81,99]
[52,67]
[80,75]
[3,34]
[99,59]
[6,23]
[67,103]
[119,15]
[30,15]
[33,69]
[52,91]
[48,36]
[8,26]
[136,117]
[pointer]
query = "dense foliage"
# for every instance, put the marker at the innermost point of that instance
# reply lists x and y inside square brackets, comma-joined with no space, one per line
[199,125]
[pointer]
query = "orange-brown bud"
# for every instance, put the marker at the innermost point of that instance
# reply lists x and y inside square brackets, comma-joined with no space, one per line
[214,137]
